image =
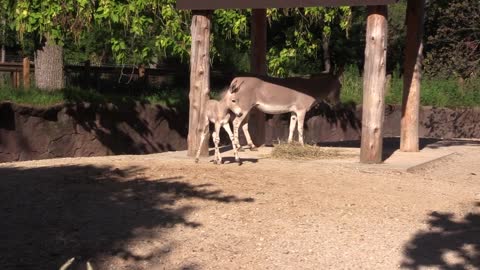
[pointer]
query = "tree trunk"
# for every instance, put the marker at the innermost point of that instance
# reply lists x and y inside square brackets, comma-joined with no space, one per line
[409,141]
[199,79]
[49,67]
[374,85]
[258,65]
[326,52]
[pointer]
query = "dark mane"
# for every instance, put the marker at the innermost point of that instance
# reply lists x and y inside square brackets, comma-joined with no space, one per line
[223,92]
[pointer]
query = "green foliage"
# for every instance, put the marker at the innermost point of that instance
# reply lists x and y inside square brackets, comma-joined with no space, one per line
[54,19]
[396,34]
[352,85]
[439,92]
[231,39]
[296,35]
[141,30]
[453,38]
[91,45]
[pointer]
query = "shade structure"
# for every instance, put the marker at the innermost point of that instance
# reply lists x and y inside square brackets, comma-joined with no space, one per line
[375,59]
[260,4]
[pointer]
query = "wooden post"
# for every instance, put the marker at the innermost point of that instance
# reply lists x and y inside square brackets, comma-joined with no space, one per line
[374,85]
[3,50]
[141,71]
[142,78]
[15,77]
[26,73]
[409,141]
[258,65]
[18,79]
[199,78]
[12,78]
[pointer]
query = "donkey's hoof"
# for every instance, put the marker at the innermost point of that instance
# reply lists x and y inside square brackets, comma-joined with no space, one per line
[241,149]
[253,148]
[196,160]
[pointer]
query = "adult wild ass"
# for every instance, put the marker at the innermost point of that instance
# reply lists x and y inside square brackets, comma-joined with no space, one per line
[217,112]
[281,95]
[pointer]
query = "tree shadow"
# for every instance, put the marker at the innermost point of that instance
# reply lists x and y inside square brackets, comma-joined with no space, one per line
[390,145]
[132,127]
[344,115]
[50,214]
[322,123]
[231,160]
[435,144]
[448,244]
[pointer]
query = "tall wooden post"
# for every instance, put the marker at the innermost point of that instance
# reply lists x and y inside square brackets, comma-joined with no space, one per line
[26,73]
[2,50]
[199,78]
[409,141]
[258,65]
[374,85]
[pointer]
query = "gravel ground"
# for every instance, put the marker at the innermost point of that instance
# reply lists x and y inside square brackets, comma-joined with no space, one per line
[159,212]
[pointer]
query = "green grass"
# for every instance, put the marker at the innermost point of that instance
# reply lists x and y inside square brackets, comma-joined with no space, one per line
[36,97]
[434,92]
[438,92]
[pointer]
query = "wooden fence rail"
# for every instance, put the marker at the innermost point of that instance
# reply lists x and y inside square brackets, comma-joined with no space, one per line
[19,70]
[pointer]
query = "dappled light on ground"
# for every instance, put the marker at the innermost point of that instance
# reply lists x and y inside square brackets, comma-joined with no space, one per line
[50,214]
[451,242]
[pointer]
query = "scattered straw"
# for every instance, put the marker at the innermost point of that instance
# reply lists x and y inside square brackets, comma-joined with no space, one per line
[297,151]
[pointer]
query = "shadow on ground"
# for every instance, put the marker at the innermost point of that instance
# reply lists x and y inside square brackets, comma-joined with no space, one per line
[51,214]
[448,244]
[390,145]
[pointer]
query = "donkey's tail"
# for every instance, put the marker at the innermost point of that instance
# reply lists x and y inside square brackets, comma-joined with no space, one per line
[339,72]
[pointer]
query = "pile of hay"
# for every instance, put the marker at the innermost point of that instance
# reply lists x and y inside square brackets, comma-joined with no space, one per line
[297,151]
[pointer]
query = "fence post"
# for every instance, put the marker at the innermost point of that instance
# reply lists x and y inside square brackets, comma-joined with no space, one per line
[26,73]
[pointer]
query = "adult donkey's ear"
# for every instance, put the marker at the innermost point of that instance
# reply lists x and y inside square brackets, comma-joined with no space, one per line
[235,86]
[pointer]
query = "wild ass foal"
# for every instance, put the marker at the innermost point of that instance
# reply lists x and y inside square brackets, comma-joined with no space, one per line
[281,95]
[217,112]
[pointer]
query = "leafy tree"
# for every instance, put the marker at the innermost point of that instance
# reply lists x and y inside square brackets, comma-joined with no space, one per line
[140,30]
[50,21]
[453,38]
[299,35]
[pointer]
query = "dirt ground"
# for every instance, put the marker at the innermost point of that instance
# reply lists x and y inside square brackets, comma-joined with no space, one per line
[161,212]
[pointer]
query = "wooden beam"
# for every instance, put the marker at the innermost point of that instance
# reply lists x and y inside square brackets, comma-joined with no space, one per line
[26,73]
[258,65]
[374,85]
[199,79]
[409,141]
[262,4]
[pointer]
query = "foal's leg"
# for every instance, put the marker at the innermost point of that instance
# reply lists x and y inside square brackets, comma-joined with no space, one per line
[216,141]
[293,123]
[226,126]
[301,120]
[204,131]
